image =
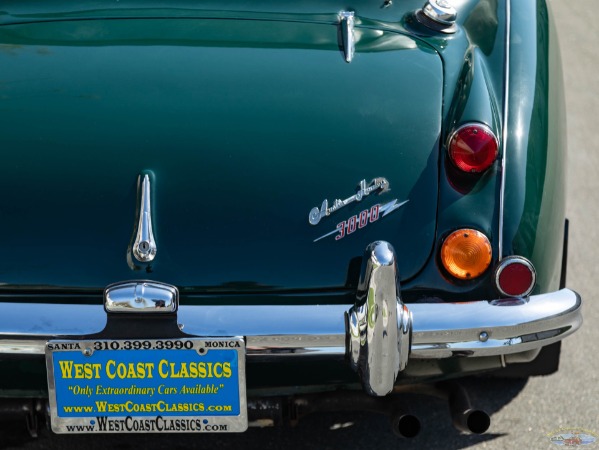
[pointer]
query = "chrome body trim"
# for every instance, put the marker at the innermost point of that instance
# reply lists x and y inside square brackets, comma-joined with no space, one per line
[380,325]
[141,297]
[144,247]
[440,330]
[346,22]
[506,93]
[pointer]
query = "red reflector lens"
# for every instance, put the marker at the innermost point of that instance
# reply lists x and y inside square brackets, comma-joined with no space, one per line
[473,148]
[515,277]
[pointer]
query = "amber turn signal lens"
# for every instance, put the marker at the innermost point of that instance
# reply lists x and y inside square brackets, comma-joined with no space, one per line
[466,254]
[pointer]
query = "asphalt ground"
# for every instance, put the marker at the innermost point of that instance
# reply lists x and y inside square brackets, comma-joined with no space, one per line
[524,414]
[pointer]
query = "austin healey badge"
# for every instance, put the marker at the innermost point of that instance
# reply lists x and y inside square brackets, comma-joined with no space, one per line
[377,185]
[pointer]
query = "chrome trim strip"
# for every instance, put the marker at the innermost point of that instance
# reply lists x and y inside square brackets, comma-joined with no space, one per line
[144,247]
[141,297]
[34,347]
[440,330]
[346,22]
[506,94]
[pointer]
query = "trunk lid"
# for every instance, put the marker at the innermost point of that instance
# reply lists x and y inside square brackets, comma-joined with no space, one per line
[245,126]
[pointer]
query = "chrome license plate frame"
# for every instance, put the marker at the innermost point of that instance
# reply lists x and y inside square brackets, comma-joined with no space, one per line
[178,385]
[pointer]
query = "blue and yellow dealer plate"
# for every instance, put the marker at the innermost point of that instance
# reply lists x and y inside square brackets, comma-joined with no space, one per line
[140,386]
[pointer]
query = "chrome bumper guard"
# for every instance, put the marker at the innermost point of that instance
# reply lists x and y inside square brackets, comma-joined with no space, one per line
[379,333]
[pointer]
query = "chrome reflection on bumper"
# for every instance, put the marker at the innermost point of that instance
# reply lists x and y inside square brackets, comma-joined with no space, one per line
[440,330]
[380,325]
[142,297]
[374,333]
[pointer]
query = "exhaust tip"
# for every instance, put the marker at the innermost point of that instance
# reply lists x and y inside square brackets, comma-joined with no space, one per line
[405,425]
[464,417]
[478,421]
[471,421]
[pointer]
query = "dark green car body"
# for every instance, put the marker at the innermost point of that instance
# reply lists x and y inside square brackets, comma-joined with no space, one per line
[245,116]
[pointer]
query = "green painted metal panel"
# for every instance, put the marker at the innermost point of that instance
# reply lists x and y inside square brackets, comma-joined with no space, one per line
[246,125]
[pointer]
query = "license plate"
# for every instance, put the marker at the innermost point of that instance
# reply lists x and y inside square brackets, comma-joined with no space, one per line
[140,386]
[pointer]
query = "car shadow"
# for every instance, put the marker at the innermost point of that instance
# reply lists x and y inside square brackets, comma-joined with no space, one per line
[340,430]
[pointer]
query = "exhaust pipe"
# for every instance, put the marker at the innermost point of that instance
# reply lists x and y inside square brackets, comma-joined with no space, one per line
[23,408]
[463,416]
[405,425]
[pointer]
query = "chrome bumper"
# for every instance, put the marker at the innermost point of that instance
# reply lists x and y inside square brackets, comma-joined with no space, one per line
[379,334]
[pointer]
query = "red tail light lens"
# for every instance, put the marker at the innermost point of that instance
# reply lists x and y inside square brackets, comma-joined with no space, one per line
[515,276]
[473,148]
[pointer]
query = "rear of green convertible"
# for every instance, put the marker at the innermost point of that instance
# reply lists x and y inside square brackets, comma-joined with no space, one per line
[221,215]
